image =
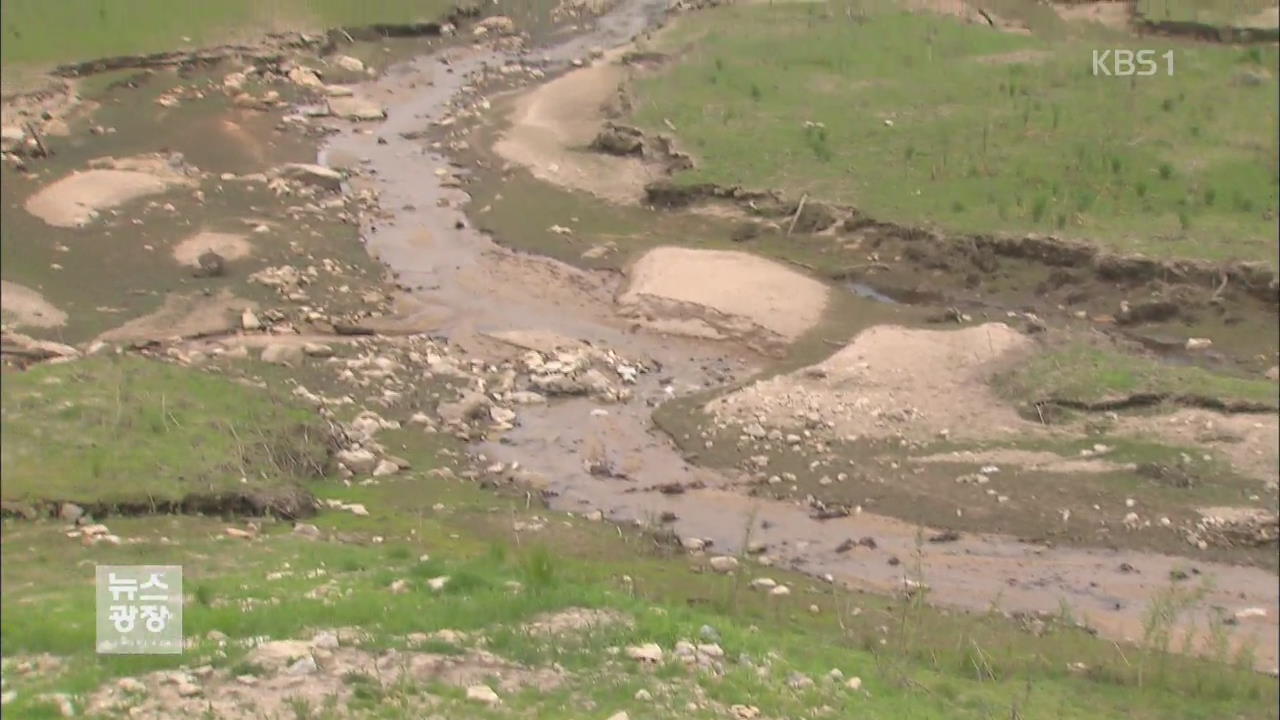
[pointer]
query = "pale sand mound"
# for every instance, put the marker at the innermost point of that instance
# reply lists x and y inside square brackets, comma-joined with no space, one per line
[229,245]
[24,307]
[76,199]
[721,294]
[553,125]
[183,316]
[892,381]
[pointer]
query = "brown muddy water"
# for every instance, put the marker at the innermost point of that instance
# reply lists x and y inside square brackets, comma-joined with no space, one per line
[472,285]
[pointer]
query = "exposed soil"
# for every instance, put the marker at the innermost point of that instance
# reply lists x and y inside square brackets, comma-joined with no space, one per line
[23,306]
[183,316]
[892,382]
[230,246]
[720,295]
[77,199]
[1115,15]
[553,125]
[1250,441]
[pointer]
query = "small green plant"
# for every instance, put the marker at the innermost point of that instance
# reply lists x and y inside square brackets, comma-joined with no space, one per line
[538,568]
[816,137]
[1039,207]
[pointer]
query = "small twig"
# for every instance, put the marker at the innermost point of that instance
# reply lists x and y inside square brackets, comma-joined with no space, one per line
[796,218]
[1218,293]
[44,151]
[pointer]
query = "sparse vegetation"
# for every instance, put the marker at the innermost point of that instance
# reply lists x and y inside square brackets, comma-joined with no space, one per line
[189,434]
[1081,372]
[984,120]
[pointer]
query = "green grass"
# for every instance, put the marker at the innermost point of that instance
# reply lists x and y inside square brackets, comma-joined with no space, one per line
[1210,12]
[1085,373]
[1182,165]
[914,661]
[63,31]
[929,665]
[114,430]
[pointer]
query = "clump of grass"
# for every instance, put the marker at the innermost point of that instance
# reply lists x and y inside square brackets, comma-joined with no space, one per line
[1086,373]
[126,430]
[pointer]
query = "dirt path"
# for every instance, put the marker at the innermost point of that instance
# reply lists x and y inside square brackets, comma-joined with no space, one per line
[476,289]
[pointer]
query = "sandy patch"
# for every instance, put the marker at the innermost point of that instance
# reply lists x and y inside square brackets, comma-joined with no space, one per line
[183,316]
[722,294]
[1268,18]
[1251,442]
[77,199]
[1017,57]
[893,381]
[1041,460]
[552,125]
[24,307]
[1110,14]
[967,13]
[229,245]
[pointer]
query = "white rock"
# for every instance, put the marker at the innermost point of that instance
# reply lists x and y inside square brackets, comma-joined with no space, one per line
[724,563]
[648,652]
[325,640]
[130,685]
[385,467]
[438,583]
[483,694]
[348,63]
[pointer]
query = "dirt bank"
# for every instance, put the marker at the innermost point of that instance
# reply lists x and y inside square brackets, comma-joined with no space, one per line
[553,125]
[79,198]
[892,382]
[720,295]
[24,307]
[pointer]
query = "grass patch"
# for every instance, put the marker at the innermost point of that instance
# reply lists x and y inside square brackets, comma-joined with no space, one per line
[1080,372]
[43,32]
[1231,13]
[914,660]
[928,120]
[124,430]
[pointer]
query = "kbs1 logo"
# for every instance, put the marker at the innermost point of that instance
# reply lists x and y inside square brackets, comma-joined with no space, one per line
[1131,63]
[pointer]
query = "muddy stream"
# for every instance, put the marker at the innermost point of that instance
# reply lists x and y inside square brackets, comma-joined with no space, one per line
[468,286]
